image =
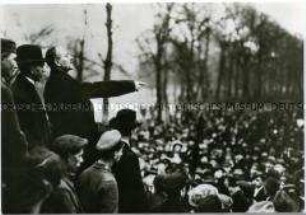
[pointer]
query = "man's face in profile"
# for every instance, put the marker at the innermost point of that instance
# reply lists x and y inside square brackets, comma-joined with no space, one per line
[37,72]
[9,68]
[63,59]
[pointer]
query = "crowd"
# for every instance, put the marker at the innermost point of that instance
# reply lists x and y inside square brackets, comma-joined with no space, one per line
[251,160]
[56,159]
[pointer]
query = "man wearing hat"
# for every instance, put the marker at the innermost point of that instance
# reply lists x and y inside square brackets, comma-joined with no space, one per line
[63,90]
[98,189]
[205,198]
[167,197]
[9,68]
[64,198]
[31,112]
[14,144]
[127,170]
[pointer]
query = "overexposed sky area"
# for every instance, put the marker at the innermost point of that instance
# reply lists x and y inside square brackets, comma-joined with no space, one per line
[130,21]
[290,15]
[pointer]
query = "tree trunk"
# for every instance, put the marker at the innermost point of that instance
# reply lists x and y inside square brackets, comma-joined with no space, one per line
[165,95]
[245,85]
[258,94]
[189,71]
[221,71]
[230,75]
[158,67]
[108,61]
[206,81]
[80,66]
[200,70]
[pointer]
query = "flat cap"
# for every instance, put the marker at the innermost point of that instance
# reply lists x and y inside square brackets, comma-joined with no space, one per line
[108,140]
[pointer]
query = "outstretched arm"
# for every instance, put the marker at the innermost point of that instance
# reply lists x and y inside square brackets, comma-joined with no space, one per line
[106,89]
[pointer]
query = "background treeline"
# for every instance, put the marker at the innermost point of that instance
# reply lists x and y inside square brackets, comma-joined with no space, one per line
[213,52]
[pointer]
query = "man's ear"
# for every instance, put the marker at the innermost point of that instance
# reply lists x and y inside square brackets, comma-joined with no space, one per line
[56,61]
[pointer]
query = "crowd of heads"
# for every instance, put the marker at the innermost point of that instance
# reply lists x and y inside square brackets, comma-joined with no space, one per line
[216,161]
[240,153]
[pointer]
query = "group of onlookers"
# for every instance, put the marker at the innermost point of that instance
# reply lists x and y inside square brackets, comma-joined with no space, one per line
[250,160]
[56,159]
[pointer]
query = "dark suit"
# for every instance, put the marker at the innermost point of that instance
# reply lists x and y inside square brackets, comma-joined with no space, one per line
[132,198]
[71,111]
[31,112]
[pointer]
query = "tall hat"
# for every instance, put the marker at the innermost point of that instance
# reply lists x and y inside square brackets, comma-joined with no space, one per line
[29,53]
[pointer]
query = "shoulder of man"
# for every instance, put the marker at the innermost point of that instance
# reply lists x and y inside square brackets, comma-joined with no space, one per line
[22,90]
[6,94]
[129,153]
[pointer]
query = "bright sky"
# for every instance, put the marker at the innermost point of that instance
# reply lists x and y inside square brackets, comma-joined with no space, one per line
[130,21]
[290,15]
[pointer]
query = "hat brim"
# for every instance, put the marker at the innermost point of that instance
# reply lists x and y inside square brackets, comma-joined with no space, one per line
[119,123]
[31,61]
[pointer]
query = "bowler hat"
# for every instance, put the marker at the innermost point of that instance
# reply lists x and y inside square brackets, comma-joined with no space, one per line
[8,46]
[125,118]
[29,53]
[170,182]
[108,140]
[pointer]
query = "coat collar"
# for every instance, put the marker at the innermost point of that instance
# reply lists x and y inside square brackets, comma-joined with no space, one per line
[102,165]
[126,140]
[30,80]
[58,71]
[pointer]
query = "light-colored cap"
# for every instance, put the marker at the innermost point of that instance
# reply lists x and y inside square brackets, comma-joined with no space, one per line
[108,140]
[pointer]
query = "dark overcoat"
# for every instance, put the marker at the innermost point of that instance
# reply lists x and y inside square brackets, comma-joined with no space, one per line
[14,147]
[31,112]
[132,198]
[69,106]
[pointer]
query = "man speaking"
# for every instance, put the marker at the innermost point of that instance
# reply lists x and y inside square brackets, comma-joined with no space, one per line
[68,101]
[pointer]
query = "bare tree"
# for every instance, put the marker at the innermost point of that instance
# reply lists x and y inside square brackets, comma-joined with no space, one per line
[157,57]
[40,36]
[108,61]
[256,59]
[78,49]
